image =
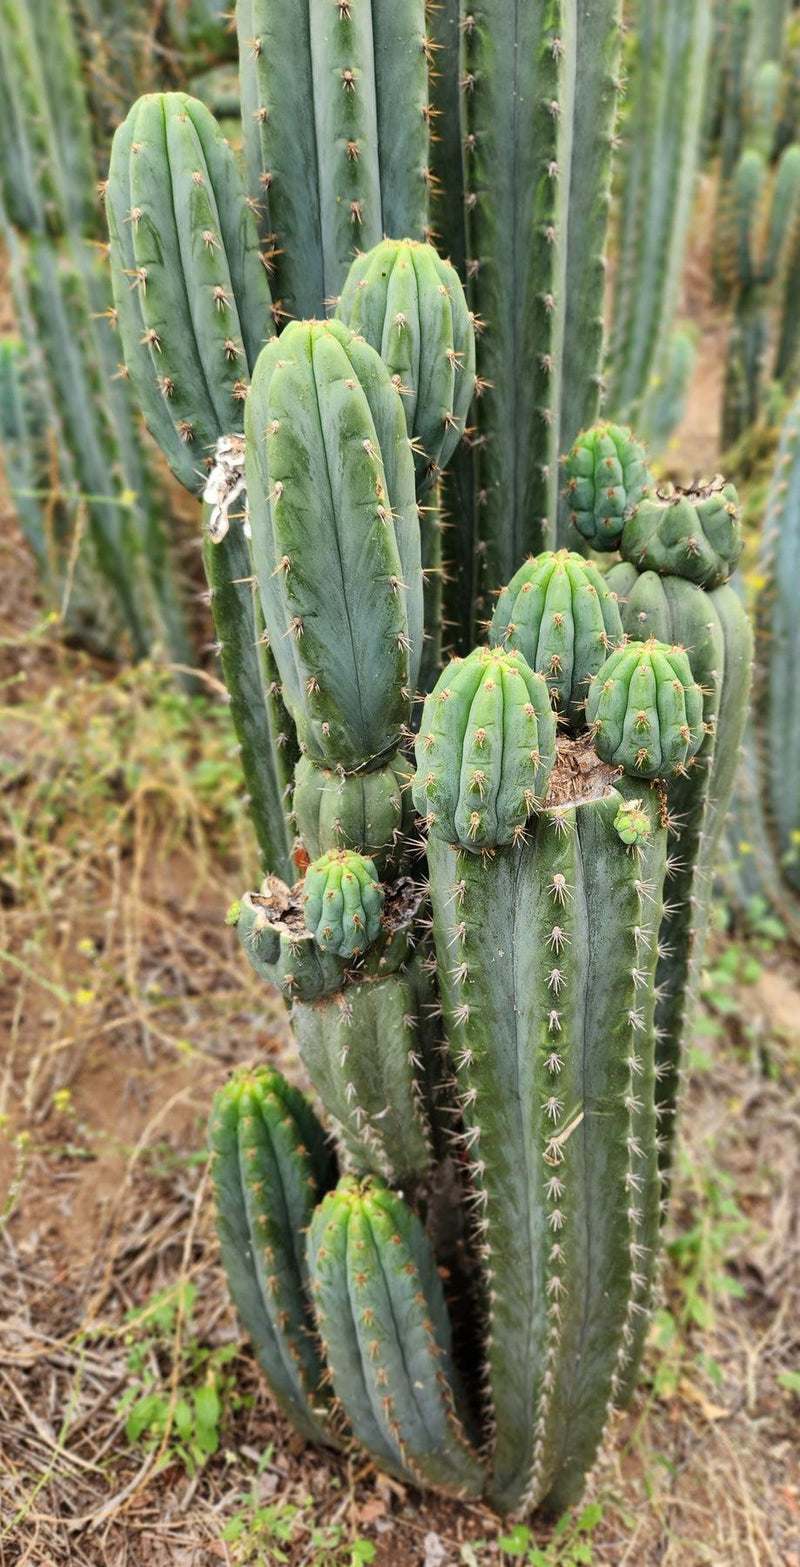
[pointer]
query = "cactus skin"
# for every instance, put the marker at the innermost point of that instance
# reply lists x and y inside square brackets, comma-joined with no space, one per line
[558,613]
[335,537]
[410,305]
[372,1268]
[270,926]
[190,286]
[693,534]
[607,477]
[539,100]
[485,749]
[343,902]
[257,717]
[757,242]
[271,1166]
[329,159]
[558,1115]
[645,710]
[370,812]
[661,146]
[365,1051]
[777,705]
[714,630]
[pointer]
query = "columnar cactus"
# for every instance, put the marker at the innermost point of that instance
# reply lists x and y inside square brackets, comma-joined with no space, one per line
[113,539]
[410,305]
[271,1166]
[336,546]
[488,1038]
[539,100]
[559,1118]
[763,833]
[381,1312]
[331,162]
[661,142]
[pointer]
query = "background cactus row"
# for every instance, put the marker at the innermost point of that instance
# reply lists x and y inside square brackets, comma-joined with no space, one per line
[81,476]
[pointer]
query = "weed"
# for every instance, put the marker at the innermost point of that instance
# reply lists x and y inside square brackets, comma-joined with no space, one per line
[187,1424]
[265,1531]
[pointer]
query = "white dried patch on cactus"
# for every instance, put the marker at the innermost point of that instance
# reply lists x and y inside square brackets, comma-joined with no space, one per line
[225,484]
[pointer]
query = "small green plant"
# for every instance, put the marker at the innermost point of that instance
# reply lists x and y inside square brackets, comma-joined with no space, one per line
[569,1546]
[699,1276]
[182,1416]
[263,1531]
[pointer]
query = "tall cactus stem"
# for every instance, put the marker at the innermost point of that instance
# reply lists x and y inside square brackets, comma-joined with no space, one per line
[558,1116]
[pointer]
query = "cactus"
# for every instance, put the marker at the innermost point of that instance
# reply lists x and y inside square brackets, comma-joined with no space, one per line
[336,548]
[645,711]
[485,749]
[661,141]
[190,288]
[559,614]
[367,811]
[194,307]
[694,534]
[607,476]
[343,902]
[381,1312]
[765,832]
[548,1104]
[666,397]
[49,223]
[711,626]
[535,931]
[332,163]
[757,230]
[538,109]
[271,1166]
[410,305]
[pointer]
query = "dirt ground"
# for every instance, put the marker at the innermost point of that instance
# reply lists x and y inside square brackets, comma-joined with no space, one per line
[125,1002]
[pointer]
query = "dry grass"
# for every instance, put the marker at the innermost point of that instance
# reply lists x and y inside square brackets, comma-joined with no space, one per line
[125,1004]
